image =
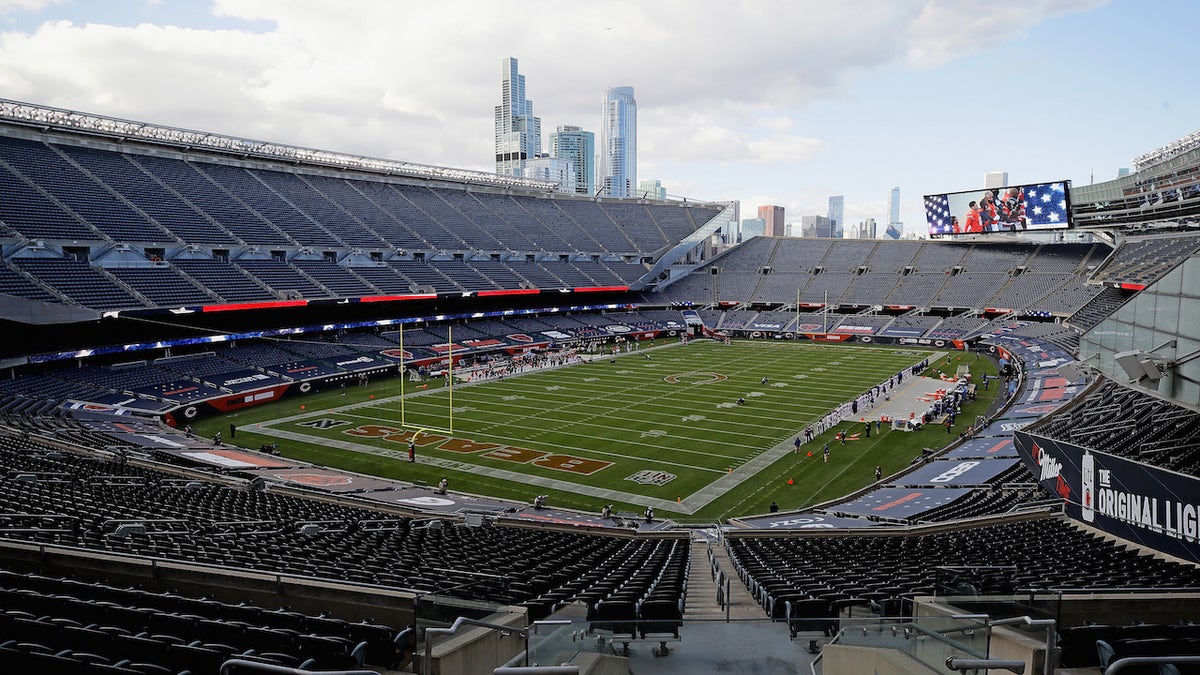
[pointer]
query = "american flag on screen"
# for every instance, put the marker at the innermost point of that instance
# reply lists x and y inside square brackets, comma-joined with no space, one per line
[1046,205]
[937,212]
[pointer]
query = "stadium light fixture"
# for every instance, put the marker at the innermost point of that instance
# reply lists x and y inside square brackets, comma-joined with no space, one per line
[1138,364]
[1073,372]
[1076,370]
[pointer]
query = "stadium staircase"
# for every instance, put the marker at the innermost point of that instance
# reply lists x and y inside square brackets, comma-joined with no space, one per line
[702,603]
[1100,307]
[762,277]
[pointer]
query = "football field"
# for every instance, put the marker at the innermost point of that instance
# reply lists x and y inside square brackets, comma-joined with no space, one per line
[657,426]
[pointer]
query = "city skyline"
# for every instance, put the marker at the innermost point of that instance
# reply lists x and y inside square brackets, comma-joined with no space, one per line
[616,162]
[837,215]
[774,218]
[894,219]
[849,98]
[518,131]
[578,146]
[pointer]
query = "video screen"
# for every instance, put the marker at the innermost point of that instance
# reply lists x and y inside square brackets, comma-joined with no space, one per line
[1018,208]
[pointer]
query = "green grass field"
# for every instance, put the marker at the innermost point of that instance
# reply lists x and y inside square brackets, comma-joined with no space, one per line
[580,433]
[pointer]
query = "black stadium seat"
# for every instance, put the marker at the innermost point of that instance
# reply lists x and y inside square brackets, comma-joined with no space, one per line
[108,230]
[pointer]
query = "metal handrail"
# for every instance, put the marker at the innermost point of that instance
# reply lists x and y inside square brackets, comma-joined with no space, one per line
[1048,624]
[284,670]
[963,665]
[538,670]
[427,663]
[941,637]
[1120,664]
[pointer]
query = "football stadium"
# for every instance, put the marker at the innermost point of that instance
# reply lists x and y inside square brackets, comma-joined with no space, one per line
[275,409]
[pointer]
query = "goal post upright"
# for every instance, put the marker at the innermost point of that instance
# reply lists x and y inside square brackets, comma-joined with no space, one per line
[422,427]
[403,374]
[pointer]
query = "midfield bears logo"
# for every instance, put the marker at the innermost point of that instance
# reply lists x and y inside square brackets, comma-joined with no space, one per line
[650,477]
[322,423]
[695,377]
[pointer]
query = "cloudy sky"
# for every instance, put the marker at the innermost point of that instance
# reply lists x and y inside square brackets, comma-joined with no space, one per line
[765,101]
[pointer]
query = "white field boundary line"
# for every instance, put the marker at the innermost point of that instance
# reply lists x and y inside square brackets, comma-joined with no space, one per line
[326,442]
[689,505]
[650,448]
[607,494]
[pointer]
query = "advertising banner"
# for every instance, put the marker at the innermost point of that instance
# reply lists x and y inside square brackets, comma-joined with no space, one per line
[904,332]
[1151,506]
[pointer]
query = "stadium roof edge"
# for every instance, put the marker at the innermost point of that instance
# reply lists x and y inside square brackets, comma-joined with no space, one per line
[47,118]
[1169,151]
[43,119]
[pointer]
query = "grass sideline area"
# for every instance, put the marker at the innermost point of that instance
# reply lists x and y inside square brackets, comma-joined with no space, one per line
[668,416]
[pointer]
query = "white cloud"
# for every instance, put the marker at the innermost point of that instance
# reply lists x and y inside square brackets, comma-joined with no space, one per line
[777,124]
[785,148]
[946,30]
[12,6]
[724,134]
[857,212]
[717,81]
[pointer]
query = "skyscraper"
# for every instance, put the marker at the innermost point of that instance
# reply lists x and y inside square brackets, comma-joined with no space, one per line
[553,170]
[651,188]
[752,227]
[579,148]
[773,217]
[894,211]
[864,230]
[617,163]
[816,226]
[995,179]
[836,215]
[518,132]
[732,230]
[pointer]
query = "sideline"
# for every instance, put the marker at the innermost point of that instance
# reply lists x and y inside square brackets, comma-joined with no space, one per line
[687,506]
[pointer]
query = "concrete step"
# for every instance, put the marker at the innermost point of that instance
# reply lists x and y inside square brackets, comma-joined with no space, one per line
[702,589]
